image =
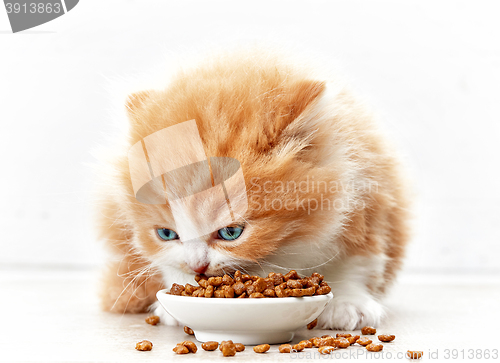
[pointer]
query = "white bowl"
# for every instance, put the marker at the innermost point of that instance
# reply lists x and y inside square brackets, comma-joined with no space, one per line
[247,321]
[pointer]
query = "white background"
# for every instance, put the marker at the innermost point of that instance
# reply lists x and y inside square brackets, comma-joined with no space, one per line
[430,68]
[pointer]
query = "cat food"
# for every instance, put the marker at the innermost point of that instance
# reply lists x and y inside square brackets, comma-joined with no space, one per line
[306,343]
[153,320]
[374,347]
[209,346]
[414,354]
[353,339]
[364,341]
[255,287]
[327,349]
[298,347]
[341,342]
[239,347]
[190,345]
[312,324]
[144,345]
[368,330]
[181,349]
[285,348]
[227,348]
[188,330]
[386,338]
[262,348]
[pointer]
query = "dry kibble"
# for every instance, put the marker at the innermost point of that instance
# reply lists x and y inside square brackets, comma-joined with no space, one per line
[414,354]
[210,345]
[353,339]
[386,338]
[374,347]
[326,340]
[181,349]
[144,345]
[244,285]
[312,324]
[306,343]
[188,330]
[327,349]
[368,330]
[228,349]
[364,341]
[239,347]
[285,348]
[341,342]
[298,347]
[340,335]
[315,341]
[262,348]
[190,345]
[153,320]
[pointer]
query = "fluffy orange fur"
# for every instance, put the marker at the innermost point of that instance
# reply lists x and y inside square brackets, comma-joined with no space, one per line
[284,127]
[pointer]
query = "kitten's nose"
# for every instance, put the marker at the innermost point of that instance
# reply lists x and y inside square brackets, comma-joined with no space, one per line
[200,269]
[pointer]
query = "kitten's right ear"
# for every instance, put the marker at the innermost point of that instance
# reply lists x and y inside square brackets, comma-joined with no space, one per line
[136,101]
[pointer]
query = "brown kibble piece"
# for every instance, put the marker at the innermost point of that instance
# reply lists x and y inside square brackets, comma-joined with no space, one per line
[239,347]
[285,348]
[269,293]
[215,281]
[145,345]
[262,348]
[259,285]
[327,340]
[291,275]
[341,342]
[181,349]
[368,330]
[327,349]
[237,275]
[190,345]
[256,295]
[239,288]
[323,290]
[197,278]
[299,347]
[315,341]
[188,330]
[306,343]
[153,320]
[209,291]
[386,338]
[342,335]
[294,284]
[228,292]
[374,347]
[189,289]
[242,295]
[227,280]
[414,354]
[312,324]
[210,346]
[228,349]
[245,277]
[364,341]
[224,342]
[176,289]
[219,294]
[353,339]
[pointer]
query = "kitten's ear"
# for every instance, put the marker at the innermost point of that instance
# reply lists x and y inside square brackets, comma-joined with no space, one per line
[136,101]
[303,94]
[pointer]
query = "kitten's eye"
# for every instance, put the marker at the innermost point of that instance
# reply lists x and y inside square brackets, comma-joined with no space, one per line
[230,233]
[166,234]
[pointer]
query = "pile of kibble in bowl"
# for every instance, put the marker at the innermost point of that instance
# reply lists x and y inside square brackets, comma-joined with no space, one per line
[275,285]
[244,285]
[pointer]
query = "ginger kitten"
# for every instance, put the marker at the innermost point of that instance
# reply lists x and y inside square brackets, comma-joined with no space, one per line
[324,190]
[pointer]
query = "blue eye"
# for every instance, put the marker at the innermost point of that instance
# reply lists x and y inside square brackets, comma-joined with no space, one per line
[166,234]
[230,233]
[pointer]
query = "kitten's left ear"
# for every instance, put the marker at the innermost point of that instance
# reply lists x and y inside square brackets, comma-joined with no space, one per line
[304,94]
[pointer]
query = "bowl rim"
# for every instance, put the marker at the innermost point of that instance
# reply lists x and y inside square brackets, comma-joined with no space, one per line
[248,301]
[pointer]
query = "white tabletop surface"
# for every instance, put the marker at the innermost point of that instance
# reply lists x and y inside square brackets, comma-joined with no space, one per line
[53,316]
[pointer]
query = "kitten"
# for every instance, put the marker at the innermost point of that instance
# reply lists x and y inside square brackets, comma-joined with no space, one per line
[324,190]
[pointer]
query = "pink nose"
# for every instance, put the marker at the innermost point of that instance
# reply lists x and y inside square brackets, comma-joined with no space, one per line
[200,269]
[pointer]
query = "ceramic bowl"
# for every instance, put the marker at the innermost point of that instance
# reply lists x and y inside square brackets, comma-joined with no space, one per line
[247,321]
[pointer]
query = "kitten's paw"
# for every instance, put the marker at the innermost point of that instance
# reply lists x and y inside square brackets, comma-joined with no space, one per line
[346,314]
[165,318]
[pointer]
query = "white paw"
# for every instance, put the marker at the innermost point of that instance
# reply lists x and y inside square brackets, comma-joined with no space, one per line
[345,314]
[165,318]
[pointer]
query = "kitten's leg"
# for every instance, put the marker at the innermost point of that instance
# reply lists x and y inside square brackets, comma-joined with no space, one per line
[129,286]
[354,284]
